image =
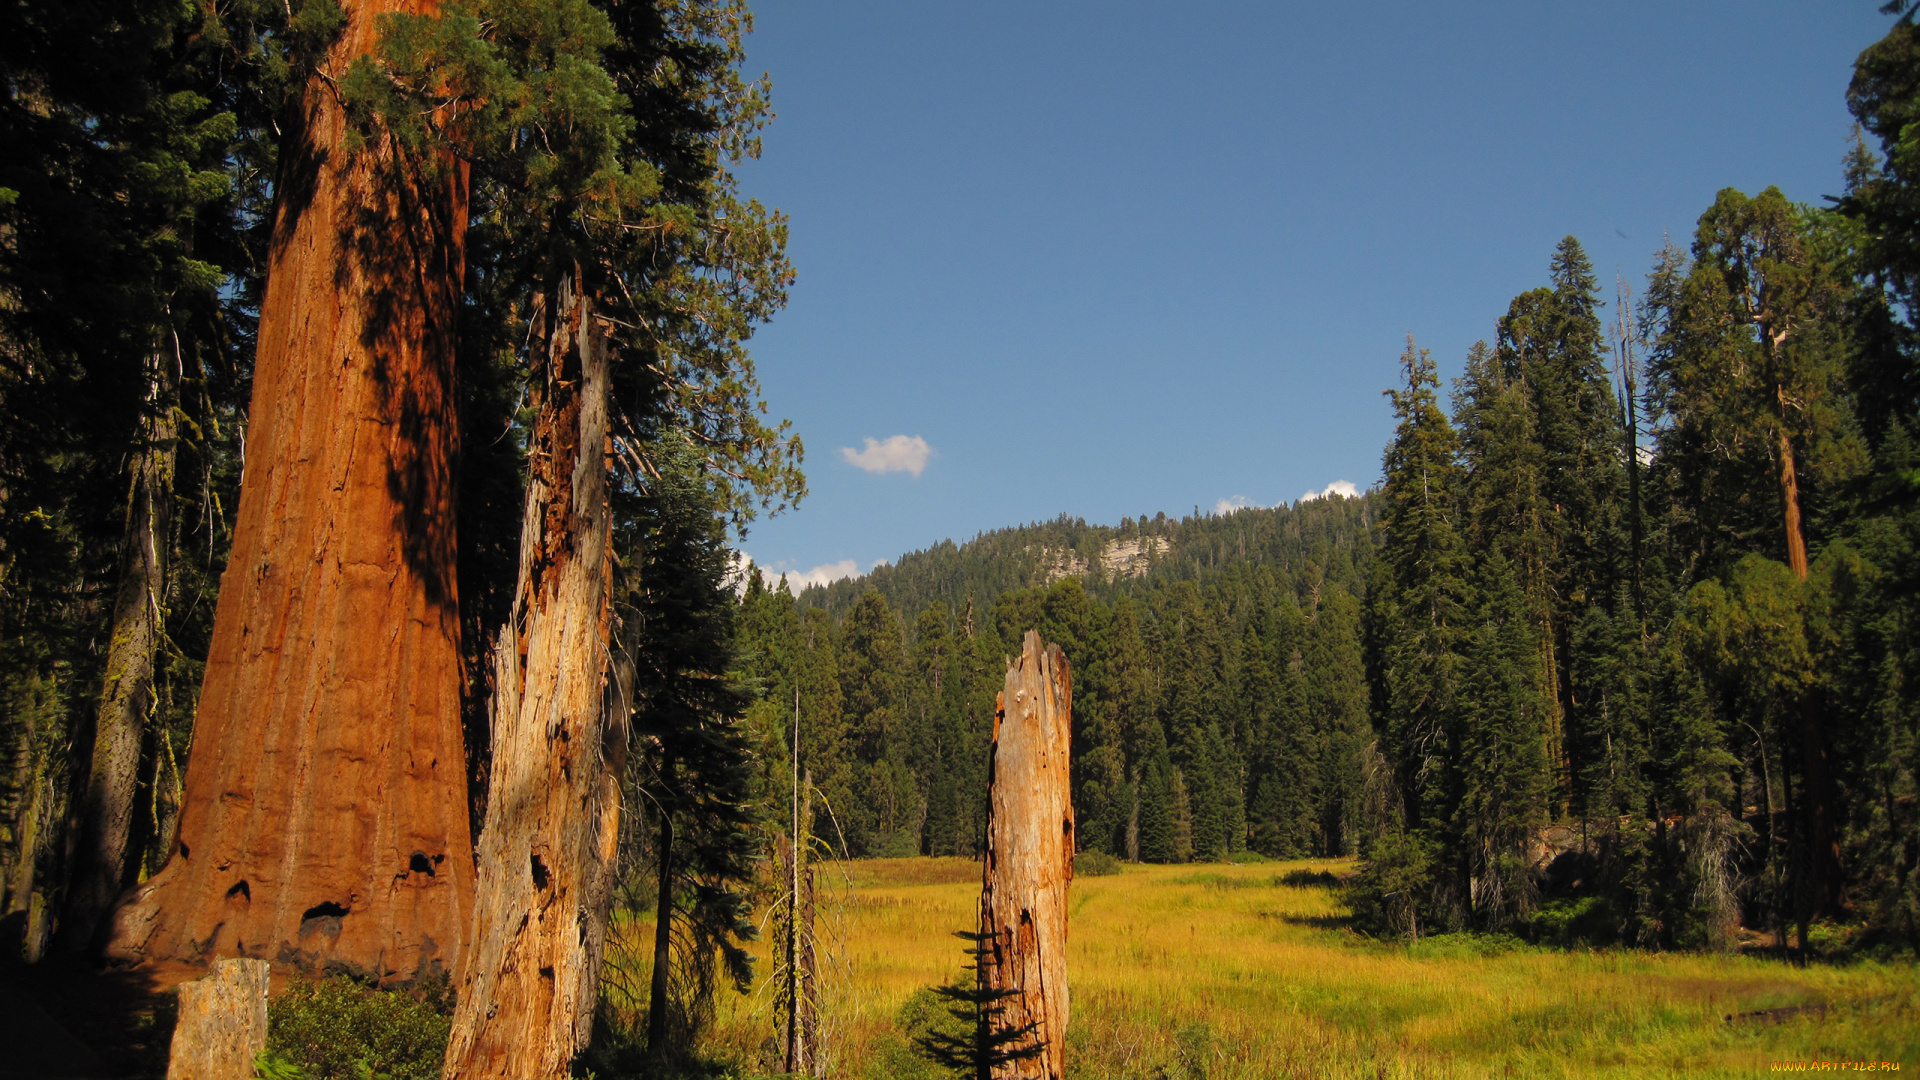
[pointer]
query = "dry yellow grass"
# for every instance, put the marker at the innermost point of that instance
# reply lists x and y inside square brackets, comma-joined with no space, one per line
[1222,972]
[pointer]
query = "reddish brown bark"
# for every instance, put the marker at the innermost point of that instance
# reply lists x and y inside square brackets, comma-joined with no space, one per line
[1023,902]
[553,807]
[1823,836]
[1790,492]
[324,820]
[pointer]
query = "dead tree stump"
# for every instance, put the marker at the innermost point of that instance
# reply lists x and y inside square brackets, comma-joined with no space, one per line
[223,1023]
[1023,901]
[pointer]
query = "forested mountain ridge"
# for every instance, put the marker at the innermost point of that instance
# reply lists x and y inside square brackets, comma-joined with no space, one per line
[1138,553]
[1219,698]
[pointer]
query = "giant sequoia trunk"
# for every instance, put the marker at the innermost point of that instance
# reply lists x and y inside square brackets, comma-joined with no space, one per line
[552,825]
[1789,490]
[126,697]
[1023,902]
[1823,838]
[324,822]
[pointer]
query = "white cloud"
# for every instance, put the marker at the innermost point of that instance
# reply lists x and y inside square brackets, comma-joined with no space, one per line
[1346,489]
[825,574]
[739,568]
[895,453]
[1232,503]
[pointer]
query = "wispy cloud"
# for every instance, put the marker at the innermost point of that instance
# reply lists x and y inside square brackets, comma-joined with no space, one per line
[895,453]
[1346,489]
[1232,503]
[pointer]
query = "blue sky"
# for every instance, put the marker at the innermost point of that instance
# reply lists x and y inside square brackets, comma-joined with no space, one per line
[1107,259]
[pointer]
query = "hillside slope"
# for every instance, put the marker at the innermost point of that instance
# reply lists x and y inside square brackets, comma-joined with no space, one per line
[1131,558]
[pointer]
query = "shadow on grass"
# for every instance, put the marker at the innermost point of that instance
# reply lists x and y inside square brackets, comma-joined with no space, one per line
[1312,922]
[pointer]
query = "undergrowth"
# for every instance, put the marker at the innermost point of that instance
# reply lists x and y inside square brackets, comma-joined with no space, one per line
[339,1029]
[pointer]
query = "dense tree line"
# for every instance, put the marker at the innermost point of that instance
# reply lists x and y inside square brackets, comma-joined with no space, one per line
[1654,590]
[1220,701]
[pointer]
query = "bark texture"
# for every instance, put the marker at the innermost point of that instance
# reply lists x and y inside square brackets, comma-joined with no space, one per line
[1023,902]
[552,826]
[799,988]
[324,822]
[222,1024]
[127,694]
[28,788]
[1790,492]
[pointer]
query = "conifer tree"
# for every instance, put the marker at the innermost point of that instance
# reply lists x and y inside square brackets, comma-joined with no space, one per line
[1158,829]
[694,770]
[1336,695]
[884,817]
[1285,758]
[123,220]
[1419,593]
[1502,773]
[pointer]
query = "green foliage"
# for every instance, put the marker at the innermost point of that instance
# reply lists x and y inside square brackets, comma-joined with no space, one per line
[338,1029]
[130,235]
[974,1041]
[924,1016]
[1096,863]
[694,837]
[1393,893]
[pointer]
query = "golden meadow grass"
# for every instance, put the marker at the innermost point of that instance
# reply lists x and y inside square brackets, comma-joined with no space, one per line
[1223,972]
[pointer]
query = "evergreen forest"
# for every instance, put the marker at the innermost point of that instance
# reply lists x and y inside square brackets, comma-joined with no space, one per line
[381,422]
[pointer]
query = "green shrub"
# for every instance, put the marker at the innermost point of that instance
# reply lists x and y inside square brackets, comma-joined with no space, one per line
[898,1056]
[337,1029]
[1586,920]
[1194,1043]
[1392,894]
[1247,856]
[1095,863]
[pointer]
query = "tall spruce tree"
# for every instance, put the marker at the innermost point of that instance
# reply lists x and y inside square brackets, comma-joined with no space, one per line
[1502,774]
[1419,594]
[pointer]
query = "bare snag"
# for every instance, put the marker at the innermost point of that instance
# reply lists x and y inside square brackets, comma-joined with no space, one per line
[1023,901]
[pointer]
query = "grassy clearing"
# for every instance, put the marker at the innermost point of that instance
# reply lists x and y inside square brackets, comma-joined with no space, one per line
[1224,972]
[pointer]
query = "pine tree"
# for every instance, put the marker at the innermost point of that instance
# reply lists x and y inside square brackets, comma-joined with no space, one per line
[1336,693]
[1159,839]
[1502,772]
[123,223]
[695,772]
[1759,425]
[1418,597]
[884,816]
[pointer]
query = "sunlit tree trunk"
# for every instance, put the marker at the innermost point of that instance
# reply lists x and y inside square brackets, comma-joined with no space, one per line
[324,821]
[127,695]
[1030,843]
[552,824]
[1823,839]
[1790,492]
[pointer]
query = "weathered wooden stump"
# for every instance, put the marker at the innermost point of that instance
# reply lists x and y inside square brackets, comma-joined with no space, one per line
[223,1023]
[1023,902]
